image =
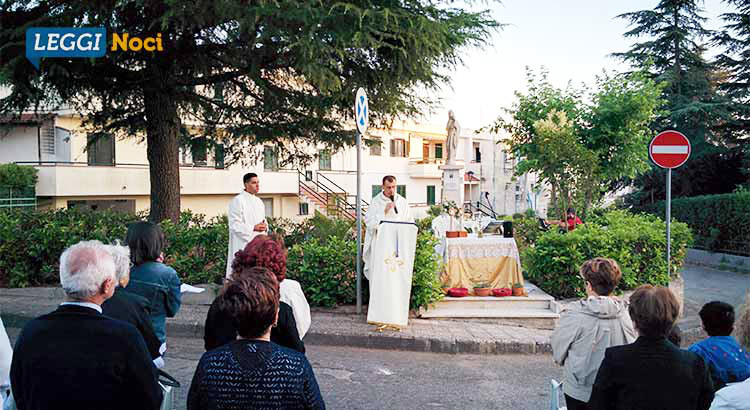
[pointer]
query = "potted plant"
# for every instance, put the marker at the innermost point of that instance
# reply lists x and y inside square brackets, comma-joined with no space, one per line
[518,289]
[450,208]
[502,292]
[482,289]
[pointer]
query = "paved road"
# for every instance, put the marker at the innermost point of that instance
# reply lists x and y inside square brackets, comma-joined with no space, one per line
[363,379]
[352,378]
[703,285]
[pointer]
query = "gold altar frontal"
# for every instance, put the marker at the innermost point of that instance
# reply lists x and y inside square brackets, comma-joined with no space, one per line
[490,259]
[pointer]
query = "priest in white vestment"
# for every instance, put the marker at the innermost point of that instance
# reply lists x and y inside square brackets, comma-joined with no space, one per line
[247,218]
[389,256]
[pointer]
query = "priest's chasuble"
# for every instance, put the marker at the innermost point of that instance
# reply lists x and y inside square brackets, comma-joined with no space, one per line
[245,211]
[389,260]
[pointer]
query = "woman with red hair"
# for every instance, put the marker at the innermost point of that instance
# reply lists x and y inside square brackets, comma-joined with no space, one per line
[266,252]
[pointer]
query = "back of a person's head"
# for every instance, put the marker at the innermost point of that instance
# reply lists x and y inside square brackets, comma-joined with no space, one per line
[83,269]
[717,318]
[654,310]
[266,251]
[252,300]
[146,242]
[603,274]
[121,257]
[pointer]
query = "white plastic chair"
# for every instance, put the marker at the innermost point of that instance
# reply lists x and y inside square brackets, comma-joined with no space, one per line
[554,398]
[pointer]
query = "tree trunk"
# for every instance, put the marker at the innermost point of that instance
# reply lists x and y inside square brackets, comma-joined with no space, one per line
[677,52]
[162,150]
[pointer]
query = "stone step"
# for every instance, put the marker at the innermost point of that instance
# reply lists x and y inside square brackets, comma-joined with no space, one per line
[496,303]
[489,314]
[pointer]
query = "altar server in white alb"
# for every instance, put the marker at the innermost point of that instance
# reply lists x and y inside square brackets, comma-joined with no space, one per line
[389,257]
[247,218]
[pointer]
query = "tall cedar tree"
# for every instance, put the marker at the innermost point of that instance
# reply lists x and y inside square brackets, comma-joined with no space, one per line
[243,73]
[734,38]
[673,53]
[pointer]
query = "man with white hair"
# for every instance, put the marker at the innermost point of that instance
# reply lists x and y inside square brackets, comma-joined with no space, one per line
[77,358]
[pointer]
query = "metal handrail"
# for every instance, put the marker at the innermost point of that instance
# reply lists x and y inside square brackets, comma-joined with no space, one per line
[314,185]
[342,189]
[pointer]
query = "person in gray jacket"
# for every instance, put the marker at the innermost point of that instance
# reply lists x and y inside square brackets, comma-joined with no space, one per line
[588,327]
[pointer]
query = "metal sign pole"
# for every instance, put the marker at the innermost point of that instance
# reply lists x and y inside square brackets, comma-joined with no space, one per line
[669,216]
[359,223]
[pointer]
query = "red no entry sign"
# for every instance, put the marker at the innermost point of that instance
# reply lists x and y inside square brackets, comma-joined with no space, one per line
[669,149]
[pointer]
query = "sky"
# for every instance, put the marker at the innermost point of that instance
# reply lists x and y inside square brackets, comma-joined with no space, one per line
[571,38]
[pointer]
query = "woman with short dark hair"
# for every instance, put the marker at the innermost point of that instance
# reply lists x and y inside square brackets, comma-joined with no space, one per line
[652,373]
[152,279]
[265,252]
[588,327]
[252,372]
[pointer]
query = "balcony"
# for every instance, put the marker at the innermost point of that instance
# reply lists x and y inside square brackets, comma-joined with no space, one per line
[425,168]
[57,179]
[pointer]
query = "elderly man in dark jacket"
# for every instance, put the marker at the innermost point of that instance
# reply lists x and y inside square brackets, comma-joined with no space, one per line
[77,358]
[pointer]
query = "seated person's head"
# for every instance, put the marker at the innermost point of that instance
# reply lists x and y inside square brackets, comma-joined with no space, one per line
[602,275]
[266,251]
[87,272]
[717,318]
[146,242]
[571,213]
[654,311]
[251,298]
[121,257]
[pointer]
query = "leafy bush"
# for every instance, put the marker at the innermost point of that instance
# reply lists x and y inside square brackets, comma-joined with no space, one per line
[197,248]
[31,243]
[426,287]
[327,272]
[636,242]
[319,227]
[17,176]
[720,222]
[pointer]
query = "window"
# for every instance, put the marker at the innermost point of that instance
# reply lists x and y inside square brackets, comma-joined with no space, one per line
[198,147]
[401,190]
[324,157]
[376,190]
[438,151]
[268,204]
[100,149]
[303,208]
[219,156]
[477,153]
[308,175]
[375,149]
[270,159]
[398,148]
[430,194]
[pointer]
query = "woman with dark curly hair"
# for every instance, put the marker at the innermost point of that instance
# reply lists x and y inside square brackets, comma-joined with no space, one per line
[252,372]
[262,251]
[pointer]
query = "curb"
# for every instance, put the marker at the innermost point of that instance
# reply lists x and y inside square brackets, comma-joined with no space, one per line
[381,341]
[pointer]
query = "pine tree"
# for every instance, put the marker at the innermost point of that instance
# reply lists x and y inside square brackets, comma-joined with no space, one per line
[278,72]
[673,52]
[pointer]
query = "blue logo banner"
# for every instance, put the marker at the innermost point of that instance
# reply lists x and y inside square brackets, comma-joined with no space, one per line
[65,42]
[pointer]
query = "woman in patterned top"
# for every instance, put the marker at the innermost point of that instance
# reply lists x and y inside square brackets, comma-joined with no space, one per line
[252,372]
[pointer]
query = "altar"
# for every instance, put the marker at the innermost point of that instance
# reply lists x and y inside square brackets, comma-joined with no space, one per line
[493,260]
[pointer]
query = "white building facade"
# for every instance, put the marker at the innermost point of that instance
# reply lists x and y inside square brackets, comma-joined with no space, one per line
[113,173]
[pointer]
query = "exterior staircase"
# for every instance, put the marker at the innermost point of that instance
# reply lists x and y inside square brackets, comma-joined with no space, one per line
[537,310]
[328,196]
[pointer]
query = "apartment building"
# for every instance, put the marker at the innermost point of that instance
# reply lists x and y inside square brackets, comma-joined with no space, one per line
[113,173]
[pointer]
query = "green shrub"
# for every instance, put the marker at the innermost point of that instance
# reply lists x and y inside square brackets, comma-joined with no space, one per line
[426,287]
[17,176]
[197,248]
[636,242]
[720,223]
[326,272]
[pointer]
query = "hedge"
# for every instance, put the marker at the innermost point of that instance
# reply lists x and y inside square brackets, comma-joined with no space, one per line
[720,223]
[321,250]
[636,242]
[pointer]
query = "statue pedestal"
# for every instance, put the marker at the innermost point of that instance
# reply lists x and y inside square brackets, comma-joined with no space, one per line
[453,184]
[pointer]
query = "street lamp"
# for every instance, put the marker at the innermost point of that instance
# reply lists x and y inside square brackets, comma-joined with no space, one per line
[471,175]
